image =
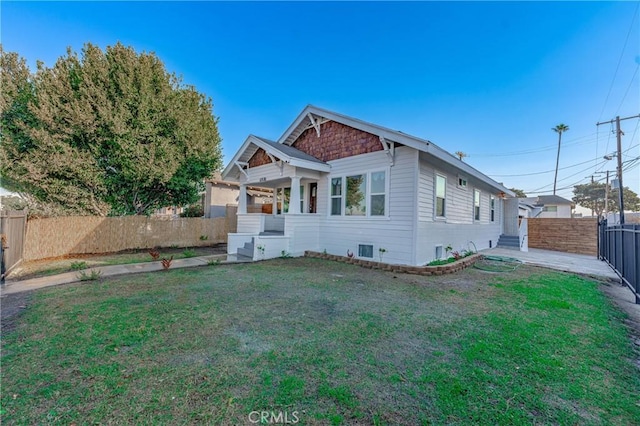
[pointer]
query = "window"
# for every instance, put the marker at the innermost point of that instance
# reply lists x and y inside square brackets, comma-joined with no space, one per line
[283,195]
[378,190]
[441,195]
[462,182]
[364,194]
[356,203]
[476,205]
[301,198]
[550,209]
[336,196]
[493,208]
[365,250]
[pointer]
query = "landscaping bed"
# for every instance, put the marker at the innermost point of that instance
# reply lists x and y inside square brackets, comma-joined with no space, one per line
[46,267]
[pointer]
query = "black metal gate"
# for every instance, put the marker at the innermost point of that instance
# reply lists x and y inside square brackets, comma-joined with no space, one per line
[619,246]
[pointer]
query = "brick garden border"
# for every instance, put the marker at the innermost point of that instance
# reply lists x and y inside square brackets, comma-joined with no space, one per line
[449,268]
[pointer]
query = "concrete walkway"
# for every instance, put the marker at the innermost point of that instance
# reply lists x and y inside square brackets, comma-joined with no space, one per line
[14,286]
[567,262]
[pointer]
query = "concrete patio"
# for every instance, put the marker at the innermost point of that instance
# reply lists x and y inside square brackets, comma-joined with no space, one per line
[567,262]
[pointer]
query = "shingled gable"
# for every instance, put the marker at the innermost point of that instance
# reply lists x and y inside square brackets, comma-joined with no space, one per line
[326,136]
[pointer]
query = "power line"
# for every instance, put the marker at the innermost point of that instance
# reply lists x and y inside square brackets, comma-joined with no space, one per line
[546,171]
[615,74]
[571,142]
[628,87]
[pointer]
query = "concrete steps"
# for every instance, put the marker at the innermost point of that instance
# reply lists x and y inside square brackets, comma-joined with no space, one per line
[247,250]
[509,241]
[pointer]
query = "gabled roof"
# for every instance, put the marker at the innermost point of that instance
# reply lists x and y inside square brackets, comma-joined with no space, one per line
[545,200]
[312,117]
[286,153]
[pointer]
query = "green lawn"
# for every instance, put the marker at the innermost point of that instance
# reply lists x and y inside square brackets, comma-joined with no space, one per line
[321,343]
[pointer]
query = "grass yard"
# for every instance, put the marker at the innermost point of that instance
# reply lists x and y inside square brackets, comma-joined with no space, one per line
[318,342]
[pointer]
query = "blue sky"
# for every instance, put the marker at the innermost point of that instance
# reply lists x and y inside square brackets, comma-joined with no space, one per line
[488,78]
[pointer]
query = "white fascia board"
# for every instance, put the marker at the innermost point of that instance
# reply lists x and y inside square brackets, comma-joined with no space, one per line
[311,165]
[444,156]
[296,162]
[227,170]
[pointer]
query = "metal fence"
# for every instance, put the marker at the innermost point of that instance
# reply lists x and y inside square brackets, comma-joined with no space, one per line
[12,228]
[619,246]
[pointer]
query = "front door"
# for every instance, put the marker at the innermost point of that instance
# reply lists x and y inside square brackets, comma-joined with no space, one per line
[313,196]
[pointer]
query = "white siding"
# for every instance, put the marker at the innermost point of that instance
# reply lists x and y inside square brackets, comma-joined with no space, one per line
[460,237]
[459,228]
[304,231]
[395,232]
[267,172]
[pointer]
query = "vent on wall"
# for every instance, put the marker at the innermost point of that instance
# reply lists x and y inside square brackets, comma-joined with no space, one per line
[439,251]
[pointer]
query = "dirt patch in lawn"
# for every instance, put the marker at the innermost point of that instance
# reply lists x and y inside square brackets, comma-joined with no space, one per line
[11,307]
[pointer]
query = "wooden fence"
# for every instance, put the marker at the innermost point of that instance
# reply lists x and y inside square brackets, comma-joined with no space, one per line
[568,235]
[61,236]
[12,229]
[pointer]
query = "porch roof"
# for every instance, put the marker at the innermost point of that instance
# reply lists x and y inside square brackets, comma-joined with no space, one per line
[284,153]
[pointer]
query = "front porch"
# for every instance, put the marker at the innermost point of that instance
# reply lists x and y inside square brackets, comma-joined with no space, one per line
[266,236]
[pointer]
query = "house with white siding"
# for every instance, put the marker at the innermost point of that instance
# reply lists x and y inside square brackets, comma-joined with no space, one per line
[342,185]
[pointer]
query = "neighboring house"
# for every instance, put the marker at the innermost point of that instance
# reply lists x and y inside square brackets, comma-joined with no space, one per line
[346,186]
[545,206]
[219,193]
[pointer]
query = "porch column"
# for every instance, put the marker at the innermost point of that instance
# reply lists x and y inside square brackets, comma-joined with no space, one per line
[242,200]
[294,202]
[274,202]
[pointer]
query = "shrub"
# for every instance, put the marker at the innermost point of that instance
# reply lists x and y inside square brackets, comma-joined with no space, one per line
[77,266]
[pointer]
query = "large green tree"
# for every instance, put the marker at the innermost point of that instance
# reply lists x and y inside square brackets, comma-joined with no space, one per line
[592,196]
[105,132]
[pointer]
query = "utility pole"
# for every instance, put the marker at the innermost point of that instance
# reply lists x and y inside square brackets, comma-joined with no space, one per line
[619,134]
[606,197]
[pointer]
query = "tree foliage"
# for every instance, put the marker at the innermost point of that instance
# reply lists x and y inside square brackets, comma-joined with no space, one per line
[106,132]
[519,192]
[592,196]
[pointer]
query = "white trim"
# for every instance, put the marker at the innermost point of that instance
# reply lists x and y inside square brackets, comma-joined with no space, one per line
[437,174]
[364,257]
[343,197]
[473,210]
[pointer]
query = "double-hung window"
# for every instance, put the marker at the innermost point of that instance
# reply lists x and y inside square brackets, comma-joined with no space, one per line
[363,194]
[356,202]
[493,208]
[441,195]
[476,204]
[336,196]
[378,193]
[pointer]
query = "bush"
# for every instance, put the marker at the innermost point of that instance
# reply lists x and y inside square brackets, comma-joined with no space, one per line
[194,210]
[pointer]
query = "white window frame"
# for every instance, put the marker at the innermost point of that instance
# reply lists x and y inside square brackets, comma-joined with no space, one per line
[462,183]
[332,197]
[368,194]
[476,217]
[435,196]
[492,208]
[365,244]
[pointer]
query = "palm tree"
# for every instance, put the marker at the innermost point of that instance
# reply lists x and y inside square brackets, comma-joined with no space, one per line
[559,129]
[460,155]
